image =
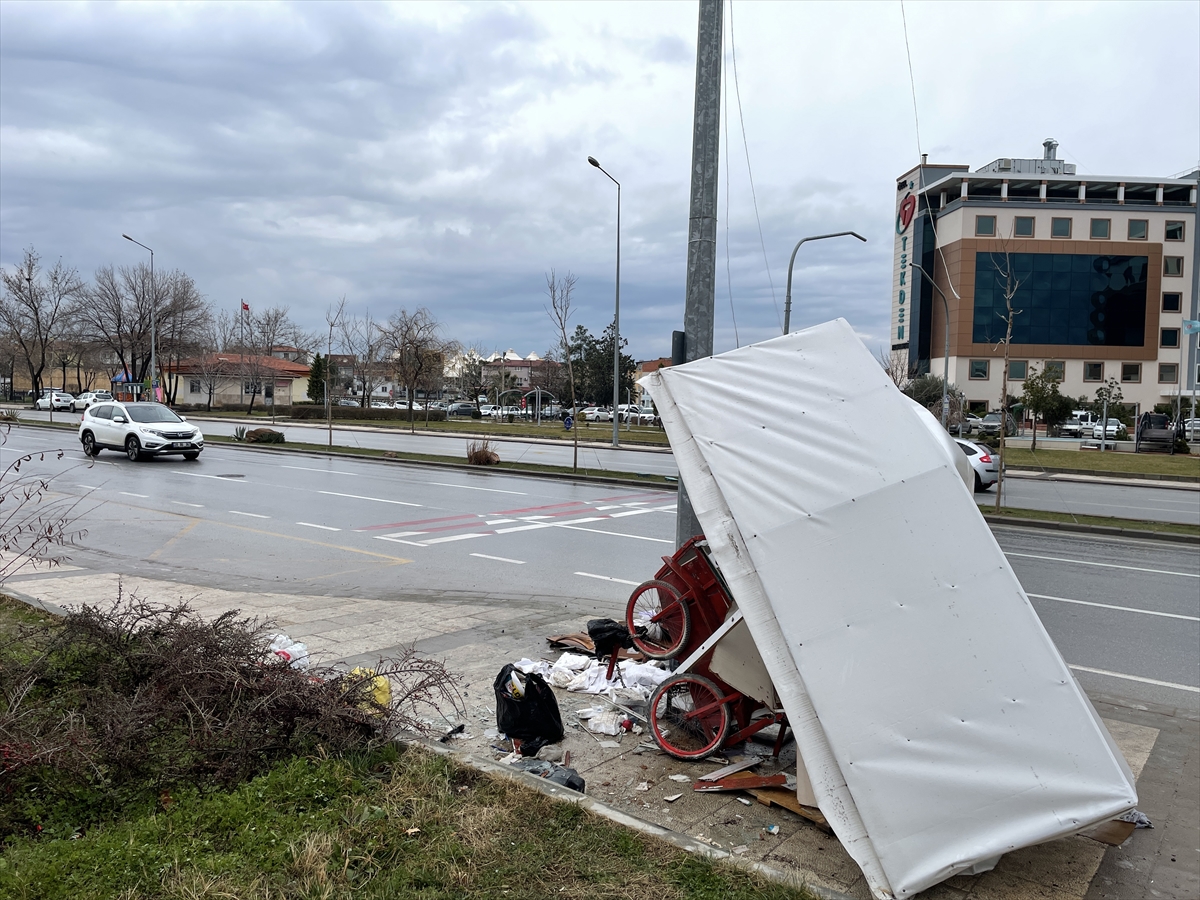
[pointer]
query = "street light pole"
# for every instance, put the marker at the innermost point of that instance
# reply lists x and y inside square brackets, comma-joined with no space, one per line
[946,352]
[787,301]
[153,319]
[616,440]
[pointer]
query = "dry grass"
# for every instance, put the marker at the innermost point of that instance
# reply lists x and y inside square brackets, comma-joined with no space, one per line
[481,453]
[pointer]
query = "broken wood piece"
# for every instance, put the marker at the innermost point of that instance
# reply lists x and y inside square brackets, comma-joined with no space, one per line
[786,799]
[1113,833]
[582,641]
[740,782]
[731,769]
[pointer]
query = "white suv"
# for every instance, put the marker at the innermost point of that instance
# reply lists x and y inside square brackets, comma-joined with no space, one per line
[87,398]
[138,430]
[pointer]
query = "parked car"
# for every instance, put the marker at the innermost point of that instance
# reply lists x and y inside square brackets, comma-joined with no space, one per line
[971,423]
[502,412]
[1191,429]
[485,409]
[991,425]
[460,409]
[50,399]
[138,430]
[87,398]
[596,414]
[347,401]
[1112,430]
[636,415]
[987,472]
[381,404]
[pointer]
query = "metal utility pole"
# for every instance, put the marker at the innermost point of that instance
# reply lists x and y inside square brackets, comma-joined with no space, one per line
[700,295]
[616,439]
[153,321]
[787,300]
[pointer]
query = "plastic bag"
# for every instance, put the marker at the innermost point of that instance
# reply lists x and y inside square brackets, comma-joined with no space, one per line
[560,775]
[526,708]
[607,635]
[291,651]
[381,688]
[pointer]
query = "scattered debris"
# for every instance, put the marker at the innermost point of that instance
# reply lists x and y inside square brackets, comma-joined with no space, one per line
[772,829]
[456,730]
[678,777]
[557,774]
[740,782]
[644,786]
[730,769]
[610,745]
[671,798]
[743,800]
[1138,819]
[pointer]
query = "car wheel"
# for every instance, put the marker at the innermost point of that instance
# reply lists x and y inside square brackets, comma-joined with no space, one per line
[193,454]
[979,488]
[133,449]
[89,445]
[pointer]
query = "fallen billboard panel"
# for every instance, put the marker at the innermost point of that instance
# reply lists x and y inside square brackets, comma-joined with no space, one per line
[937,722]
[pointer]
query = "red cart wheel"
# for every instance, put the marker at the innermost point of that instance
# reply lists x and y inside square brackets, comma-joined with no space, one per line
[658,619]
[688,717]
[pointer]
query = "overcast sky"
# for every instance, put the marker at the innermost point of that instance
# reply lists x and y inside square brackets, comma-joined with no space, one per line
[435,155]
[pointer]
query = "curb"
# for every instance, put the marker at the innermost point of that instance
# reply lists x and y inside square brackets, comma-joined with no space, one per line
[1174,482]
[600,808]
[1016,521]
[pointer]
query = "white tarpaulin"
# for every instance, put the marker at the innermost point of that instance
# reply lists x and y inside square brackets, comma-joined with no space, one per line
[938,724]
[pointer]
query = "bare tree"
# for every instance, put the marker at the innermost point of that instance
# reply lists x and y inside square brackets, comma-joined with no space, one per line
[1009,285]
[559,291]
[364,341]
[183,322]
[416,348]
[261,334]
[895,364]
[333,318]
[34,307]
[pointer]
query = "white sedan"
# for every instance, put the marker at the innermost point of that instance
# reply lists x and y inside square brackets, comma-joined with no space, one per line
[54,400]
[596,414]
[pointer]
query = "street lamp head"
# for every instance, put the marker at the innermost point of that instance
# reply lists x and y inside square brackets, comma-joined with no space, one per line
[859,236]
[592,160]
[127,237]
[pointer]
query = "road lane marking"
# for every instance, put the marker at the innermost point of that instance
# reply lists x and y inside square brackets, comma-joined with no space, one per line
[515,562]
[322,527]
[630,512]
[127,494]
[238,478]
[86,487]
[1085,562]
[396,540]
[376,499]
[171,543]
[608,578]
[636,537]
[292,537]
[533,527]
[184,503]
[1132,609]
[325,471]
[467,487]
[251,515]
[1154,681]
[455,537]
[498,521]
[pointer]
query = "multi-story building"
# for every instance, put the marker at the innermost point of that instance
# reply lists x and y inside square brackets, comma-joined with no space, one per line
[1100,273]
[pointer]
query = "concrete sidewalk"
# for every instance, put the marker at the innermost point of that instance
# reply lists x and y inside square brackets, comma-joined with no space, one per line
[477,634]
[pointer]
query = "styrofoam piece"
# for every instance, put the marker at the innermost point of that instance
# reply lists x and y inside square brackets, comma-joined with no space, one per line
[935,718]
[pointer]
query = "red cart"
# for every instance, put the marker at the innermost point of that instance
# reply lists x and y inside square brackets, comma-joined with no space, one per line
[720,684]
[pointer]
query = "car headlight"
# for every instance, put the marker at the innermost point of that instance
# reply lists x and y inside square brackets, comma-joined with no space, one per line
[154,431]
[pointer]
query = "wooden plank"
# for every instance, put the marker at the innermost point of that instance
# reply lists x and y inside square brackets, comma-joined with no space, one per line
[731,769]
[785,798]
[1113,833]
[740,782]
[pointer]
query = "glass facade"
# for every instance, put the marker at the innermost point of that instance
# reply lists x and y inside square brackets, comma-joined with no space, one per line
[1070,299]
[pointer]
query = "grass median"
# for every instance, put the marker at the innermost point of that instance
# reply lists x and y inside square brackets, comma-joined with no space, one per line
[1110,462]
[1042,515]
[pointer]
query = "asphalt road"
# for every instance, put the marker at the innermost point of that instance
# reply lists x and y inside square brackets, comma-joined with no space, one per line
[1159,504]
[1124,613]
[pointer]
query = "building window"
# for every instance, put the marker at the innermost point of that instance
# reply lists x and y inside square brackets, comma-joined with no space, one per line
[1172,302]
[1023,226]
[1017,369]
[1169,337]
[194,386]
[1139,229]
[1174,231]
[1168,373]
[1060,228]
[1066,299]
[979,369]
[985,226]
[1173,265]
[1093,371]
[1055,368]
[1131,372]
[1101,229]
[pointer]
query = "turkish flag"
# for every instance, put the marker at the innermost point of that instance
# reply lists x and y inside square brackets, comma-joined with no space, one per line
[245,306]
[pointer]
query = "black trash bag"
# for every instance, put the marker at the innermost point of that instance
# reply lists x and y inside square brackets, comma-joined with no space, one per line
[532,715]
[553,772]
[607,635]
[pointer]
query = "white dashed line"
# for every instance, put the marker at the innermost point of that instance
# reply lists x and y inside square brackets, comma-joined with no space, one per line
[533,527]
[636,537]
[455,537]
[499,521]
[193,505]
[325,471]
[376,499]
[515,562]
[1155,681]
[467,487]
[237,512]
[127,494]
[1087,562]
[608,578]
[322,527]
[1132,609]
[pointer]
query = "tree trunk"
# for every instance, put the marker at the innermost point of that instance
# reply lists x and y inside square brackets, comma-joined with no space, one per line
[1033,443]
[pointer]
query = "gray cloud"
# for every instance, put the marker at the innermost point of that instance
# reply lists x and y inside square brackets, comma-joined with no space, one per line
[435,155]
